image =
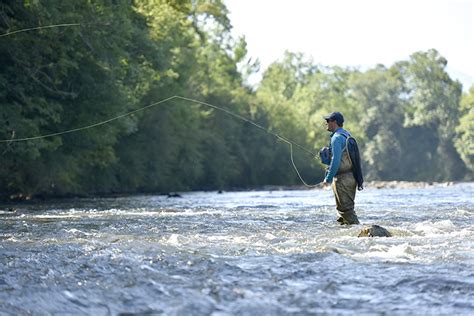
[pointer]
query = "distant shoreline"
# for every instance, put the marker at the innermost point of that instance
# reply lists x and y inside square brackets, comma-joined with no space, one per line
[408,184]
[395,184]
[367,185]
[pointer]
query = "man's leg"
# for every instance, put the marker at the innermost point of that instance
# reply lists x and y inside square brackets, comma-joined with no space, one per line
[344,187]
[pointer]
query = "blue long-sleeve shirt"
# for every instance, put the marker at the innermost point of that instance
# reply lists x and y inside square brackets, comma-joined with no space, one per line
[338,144]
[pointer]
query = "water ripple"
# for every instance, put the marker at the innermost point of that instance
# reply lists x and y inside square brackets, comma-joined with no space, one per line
[245,253]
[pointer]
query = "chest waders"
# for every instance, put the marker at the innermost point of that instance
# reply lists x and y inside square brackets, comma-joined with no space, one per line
[344,184]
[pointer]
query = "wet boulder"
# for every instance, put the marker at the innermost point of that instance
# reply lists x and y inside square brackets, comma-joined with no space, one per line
[374,231]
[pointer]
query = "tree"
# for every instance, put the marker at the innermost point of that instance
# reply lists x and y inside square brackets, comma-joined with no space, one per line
[465,131]
[380,91]
[120,56]
[433,99]
[57,79]
[283,95]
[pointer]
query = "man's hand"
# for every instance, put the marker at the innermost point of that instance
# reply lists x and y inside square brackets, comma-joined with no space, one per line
[326,185]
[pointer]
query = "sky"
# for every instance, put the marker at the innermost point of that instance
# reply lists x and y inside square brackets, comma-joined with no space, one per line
[358,33]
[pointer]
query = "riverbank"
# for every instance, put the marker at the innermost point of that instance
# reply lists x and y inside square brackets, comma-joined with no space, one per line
[407,184]
[369,185]
[173,194]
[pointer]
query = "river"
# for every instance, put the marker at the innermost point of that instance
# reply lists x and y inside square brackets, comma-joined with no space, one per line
[240,253]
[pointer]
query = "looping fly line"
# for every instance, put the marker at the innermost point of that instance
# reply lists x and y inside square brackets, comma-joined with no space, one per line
[37,28]
[282,138]
[289,142]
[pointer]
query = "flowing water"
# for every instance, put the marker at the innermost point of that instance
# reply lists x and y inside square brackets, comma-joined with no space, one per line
[241,253]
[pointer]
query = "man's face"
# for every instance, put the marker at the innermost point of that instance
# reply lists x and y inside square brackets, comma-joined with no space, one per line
[331,125]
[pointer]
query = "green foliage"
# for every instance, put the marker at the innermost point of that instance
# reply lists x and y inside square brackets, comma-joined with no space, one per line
[59,79]
[291,94]
[465,130]
[433,103]
[409,118]
[380,95]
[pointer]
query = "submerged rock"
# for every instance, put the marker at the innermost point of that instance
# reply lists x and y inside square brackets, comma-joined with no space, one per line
[374,231]
[8,211]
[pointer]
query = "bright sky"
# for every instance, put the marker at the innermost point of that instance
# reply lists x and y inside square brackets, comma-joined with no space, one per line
[359,33]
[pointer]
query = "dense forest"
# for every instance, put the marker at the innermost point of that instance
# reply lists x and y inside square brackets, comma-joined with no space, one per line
[413,122]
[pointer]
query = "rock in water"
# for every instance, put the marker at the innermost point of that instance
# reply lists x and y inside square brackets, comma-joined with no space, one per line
[374,231]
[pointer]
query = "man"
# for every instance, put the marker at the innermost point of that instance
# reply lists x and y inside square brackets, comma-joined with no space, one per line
[340,170]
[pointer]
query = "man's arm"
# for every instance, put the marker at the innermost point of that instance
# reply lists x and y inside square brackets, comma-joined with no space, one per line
[337,145]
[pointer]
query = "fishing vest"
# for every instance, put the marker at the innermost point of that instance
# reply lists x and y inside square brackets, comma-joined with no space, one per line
[326,152]
[350,158]
[346,163]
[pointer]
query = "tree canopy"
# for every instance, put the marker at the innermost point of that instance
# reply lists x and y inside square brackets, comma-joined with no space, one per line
[411,119]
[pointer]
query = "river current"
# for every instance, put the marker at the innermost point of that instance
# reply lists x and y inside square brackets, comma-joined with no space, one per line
[240,253]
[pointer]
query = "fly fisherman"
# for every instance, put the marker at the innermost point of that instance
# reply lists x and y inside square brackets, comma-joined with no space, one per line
[344,170]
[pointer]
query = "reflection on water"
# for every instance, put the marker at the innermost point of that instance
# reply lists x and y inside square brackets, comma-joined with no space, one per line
[245,253]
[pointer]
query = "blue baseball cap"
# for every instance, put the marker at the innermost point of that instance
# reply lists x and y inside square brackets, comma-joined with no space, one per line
[335,116]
